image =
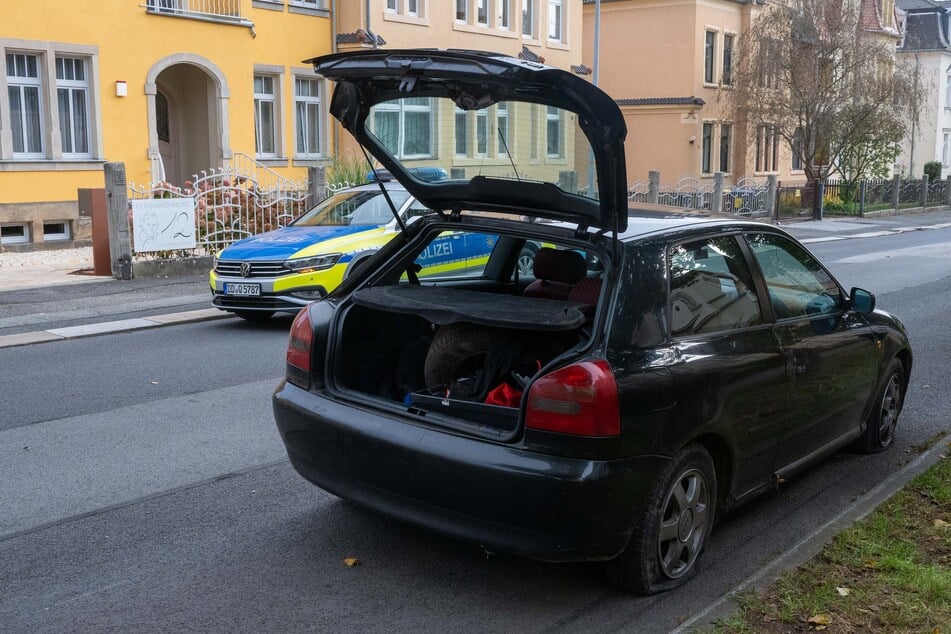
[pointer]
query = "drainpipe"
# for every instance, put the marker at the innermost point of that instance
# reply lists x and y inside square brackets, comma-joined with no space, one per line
[369,30]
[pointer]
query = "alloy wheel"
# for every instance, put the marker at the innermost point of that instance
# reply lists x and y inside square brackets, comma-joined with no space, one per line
[891,401]
[683,526]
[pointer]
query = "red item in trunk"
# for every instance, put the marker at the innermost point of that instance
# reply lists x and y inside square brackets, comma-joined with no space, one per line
[504,395]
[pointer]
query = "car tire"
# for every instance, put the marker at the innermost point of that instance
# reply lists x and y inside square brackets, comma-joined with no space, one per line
[526,260]
[254,316]
[879,432]
[457,349]
[671,531]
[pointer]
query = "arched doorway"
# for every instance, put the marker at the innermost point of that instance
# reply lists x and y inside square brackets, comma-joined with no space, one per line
[188,118]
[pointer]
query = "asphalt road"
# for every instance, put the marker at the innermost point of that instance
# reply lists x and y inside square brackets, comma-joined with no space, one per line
[144,488]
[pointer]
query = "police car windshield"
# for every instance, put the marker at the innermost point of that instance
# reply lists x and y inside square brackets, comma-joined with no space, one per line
[353,208]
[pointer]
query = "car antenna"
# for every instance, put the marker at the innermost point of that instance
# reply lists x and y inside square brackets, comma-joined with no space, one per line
[386,194]
[508,154]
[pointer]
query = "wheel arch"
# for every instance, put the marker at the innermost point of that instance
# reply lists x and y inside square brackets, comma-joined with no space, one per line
[723,458]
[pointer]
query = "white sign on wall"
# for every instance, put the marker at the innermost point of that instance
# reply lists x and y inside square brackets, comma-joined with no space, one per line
[161,224]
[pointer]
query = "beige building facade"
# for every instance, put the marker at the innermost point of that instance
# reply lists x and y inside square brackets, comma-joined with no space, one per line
[670,66]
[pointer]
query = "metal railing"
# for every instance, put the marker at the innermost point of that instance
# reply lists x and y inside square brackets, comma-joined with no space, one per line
[745,197]
[230,203]
[224,11]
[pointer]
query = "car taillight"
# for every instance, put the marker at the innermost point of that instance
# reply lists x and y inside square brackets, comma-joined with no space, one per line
[580,399]
[298,350]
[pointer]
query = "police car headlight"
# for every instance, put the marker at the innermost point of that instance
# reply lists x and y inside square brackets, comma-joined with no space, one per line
[315,263]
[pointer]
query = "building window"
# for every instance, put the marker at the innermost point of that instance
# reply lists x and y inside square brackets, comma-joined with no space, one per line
[556,20]
[482,132]
[947,92]
[796,148]
[482,12]
[309,4]
[55,230]
[767,148]
[462,10]
[391,5]
[502,128]
[405,127]
[706,150]
[528,18]
[265,122]
[307,116]
[72,95]
[554,133]
[535,131]
[944,148]
[727,76]
[24,89]
[725,136]
[709,52]
[412,7]
[505,14]
[462,132]
[14,233]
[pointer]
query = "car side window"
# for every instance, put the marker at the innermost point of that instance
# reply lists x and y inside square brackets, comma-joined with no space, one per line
[798,285]
[711,288]
[456,254]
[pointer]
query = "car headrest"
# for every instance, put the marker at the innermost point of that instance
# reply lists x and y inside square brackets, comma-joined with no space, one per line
[559,265]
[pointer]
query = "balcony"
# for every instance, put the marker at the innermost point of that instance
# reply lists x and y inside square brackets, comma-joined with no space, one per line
[220,11]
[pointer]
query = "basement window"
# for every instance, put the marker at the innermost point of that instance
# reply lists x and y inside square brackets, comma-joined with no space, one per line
[14,233]
[55,230]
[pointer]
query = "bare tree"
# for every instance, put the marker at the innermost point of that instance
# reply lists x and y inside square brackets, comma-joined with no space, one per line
[811,73]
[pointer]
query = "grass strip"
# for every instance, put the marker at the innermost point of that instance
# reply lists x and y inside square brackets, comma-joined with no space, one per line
[890,572]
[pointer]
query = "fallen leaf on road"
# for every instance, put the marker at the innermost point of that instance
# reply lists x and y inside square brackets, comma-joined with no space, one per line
[843,592]
[871,563]
[154,382]
[941,524]
[350,562]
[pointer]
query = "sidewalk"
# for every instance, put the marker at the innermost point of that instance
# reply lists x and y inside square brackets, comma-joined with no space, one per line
[41,292]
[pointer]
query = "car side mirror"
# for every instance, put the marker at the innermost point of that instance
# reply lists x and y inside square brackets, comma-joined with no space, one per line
[862,301]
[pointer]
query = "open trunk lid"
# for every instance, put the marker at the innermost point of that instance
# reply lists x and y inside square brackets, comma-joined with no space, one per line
[491,133]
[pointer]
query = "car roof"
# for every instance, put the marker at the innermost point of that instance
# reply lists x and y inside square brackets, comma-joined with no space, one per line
[644,226]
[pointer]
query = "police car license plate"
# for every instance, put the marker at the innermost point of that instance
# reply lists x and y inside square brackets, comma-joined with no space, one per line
[245,290]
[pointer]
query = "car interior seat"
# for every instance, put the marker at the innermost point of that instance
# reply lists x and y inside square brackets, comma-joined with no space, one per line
[557,271]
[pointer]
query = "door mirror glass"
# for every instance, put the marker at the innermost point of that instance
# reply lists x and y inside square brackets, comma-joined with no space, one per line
[862,301]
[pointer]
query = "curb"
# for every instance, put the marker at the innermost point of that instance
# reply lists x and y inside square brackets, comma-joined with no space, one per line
[809,546]
[110,327]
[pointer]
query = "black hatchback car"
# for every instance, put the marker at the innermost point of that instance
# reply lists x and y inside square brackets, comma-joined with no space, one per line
[652,373]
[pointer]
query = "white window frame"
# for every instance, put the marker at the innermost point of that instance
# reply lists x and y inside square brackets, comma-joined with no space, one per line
[706,147]
[487,5]
[482,119]
[23,239]
[272,98]
[946,147]
[503,15]
[726,126]
[502,113]
[22,83]
[947,91]
[393,6]
[47,52]
[306,4]
[529,15]
[309,100]
[726,72]
[73,86]
[556,8]
[557,116]
[709,57]
[465,136]
[464,5]
[401,109]
[56,236]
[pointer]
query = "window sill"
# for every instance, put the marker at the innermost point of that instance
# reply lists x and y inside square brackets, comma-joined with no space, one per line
[270,5]
[45,165]
[558,45]
[389,16]
[311,161]
[707,84]
[271,161]
[483,29]
[306,9]
[531,40]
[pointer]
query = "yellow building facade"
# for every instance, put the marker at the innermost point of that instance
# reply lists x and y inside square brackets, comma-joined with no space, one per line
[168,87]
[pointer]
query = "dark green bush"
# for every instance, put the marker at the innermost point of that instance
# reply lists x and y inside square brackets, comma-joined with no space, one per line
[933,170]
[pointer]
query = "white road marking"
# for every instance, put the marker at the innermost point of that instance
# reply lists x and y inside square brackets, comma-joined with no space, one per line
[827,239]
[939,250]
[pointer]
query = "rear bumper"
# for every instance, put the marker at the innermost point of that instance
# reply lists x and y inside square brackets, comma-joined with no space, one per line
[502,497]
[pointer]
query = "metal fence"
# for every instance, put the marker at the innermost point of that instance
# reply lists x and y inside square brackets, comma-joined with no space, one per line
[746,197]
[230,203]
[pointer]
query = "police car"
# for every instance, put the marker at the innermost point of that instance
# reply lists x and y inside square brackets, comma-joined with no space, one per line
[284,269]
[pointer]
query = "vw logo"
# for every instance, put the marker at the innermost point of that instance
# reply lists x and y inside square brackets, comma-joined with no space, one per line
[245,269]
